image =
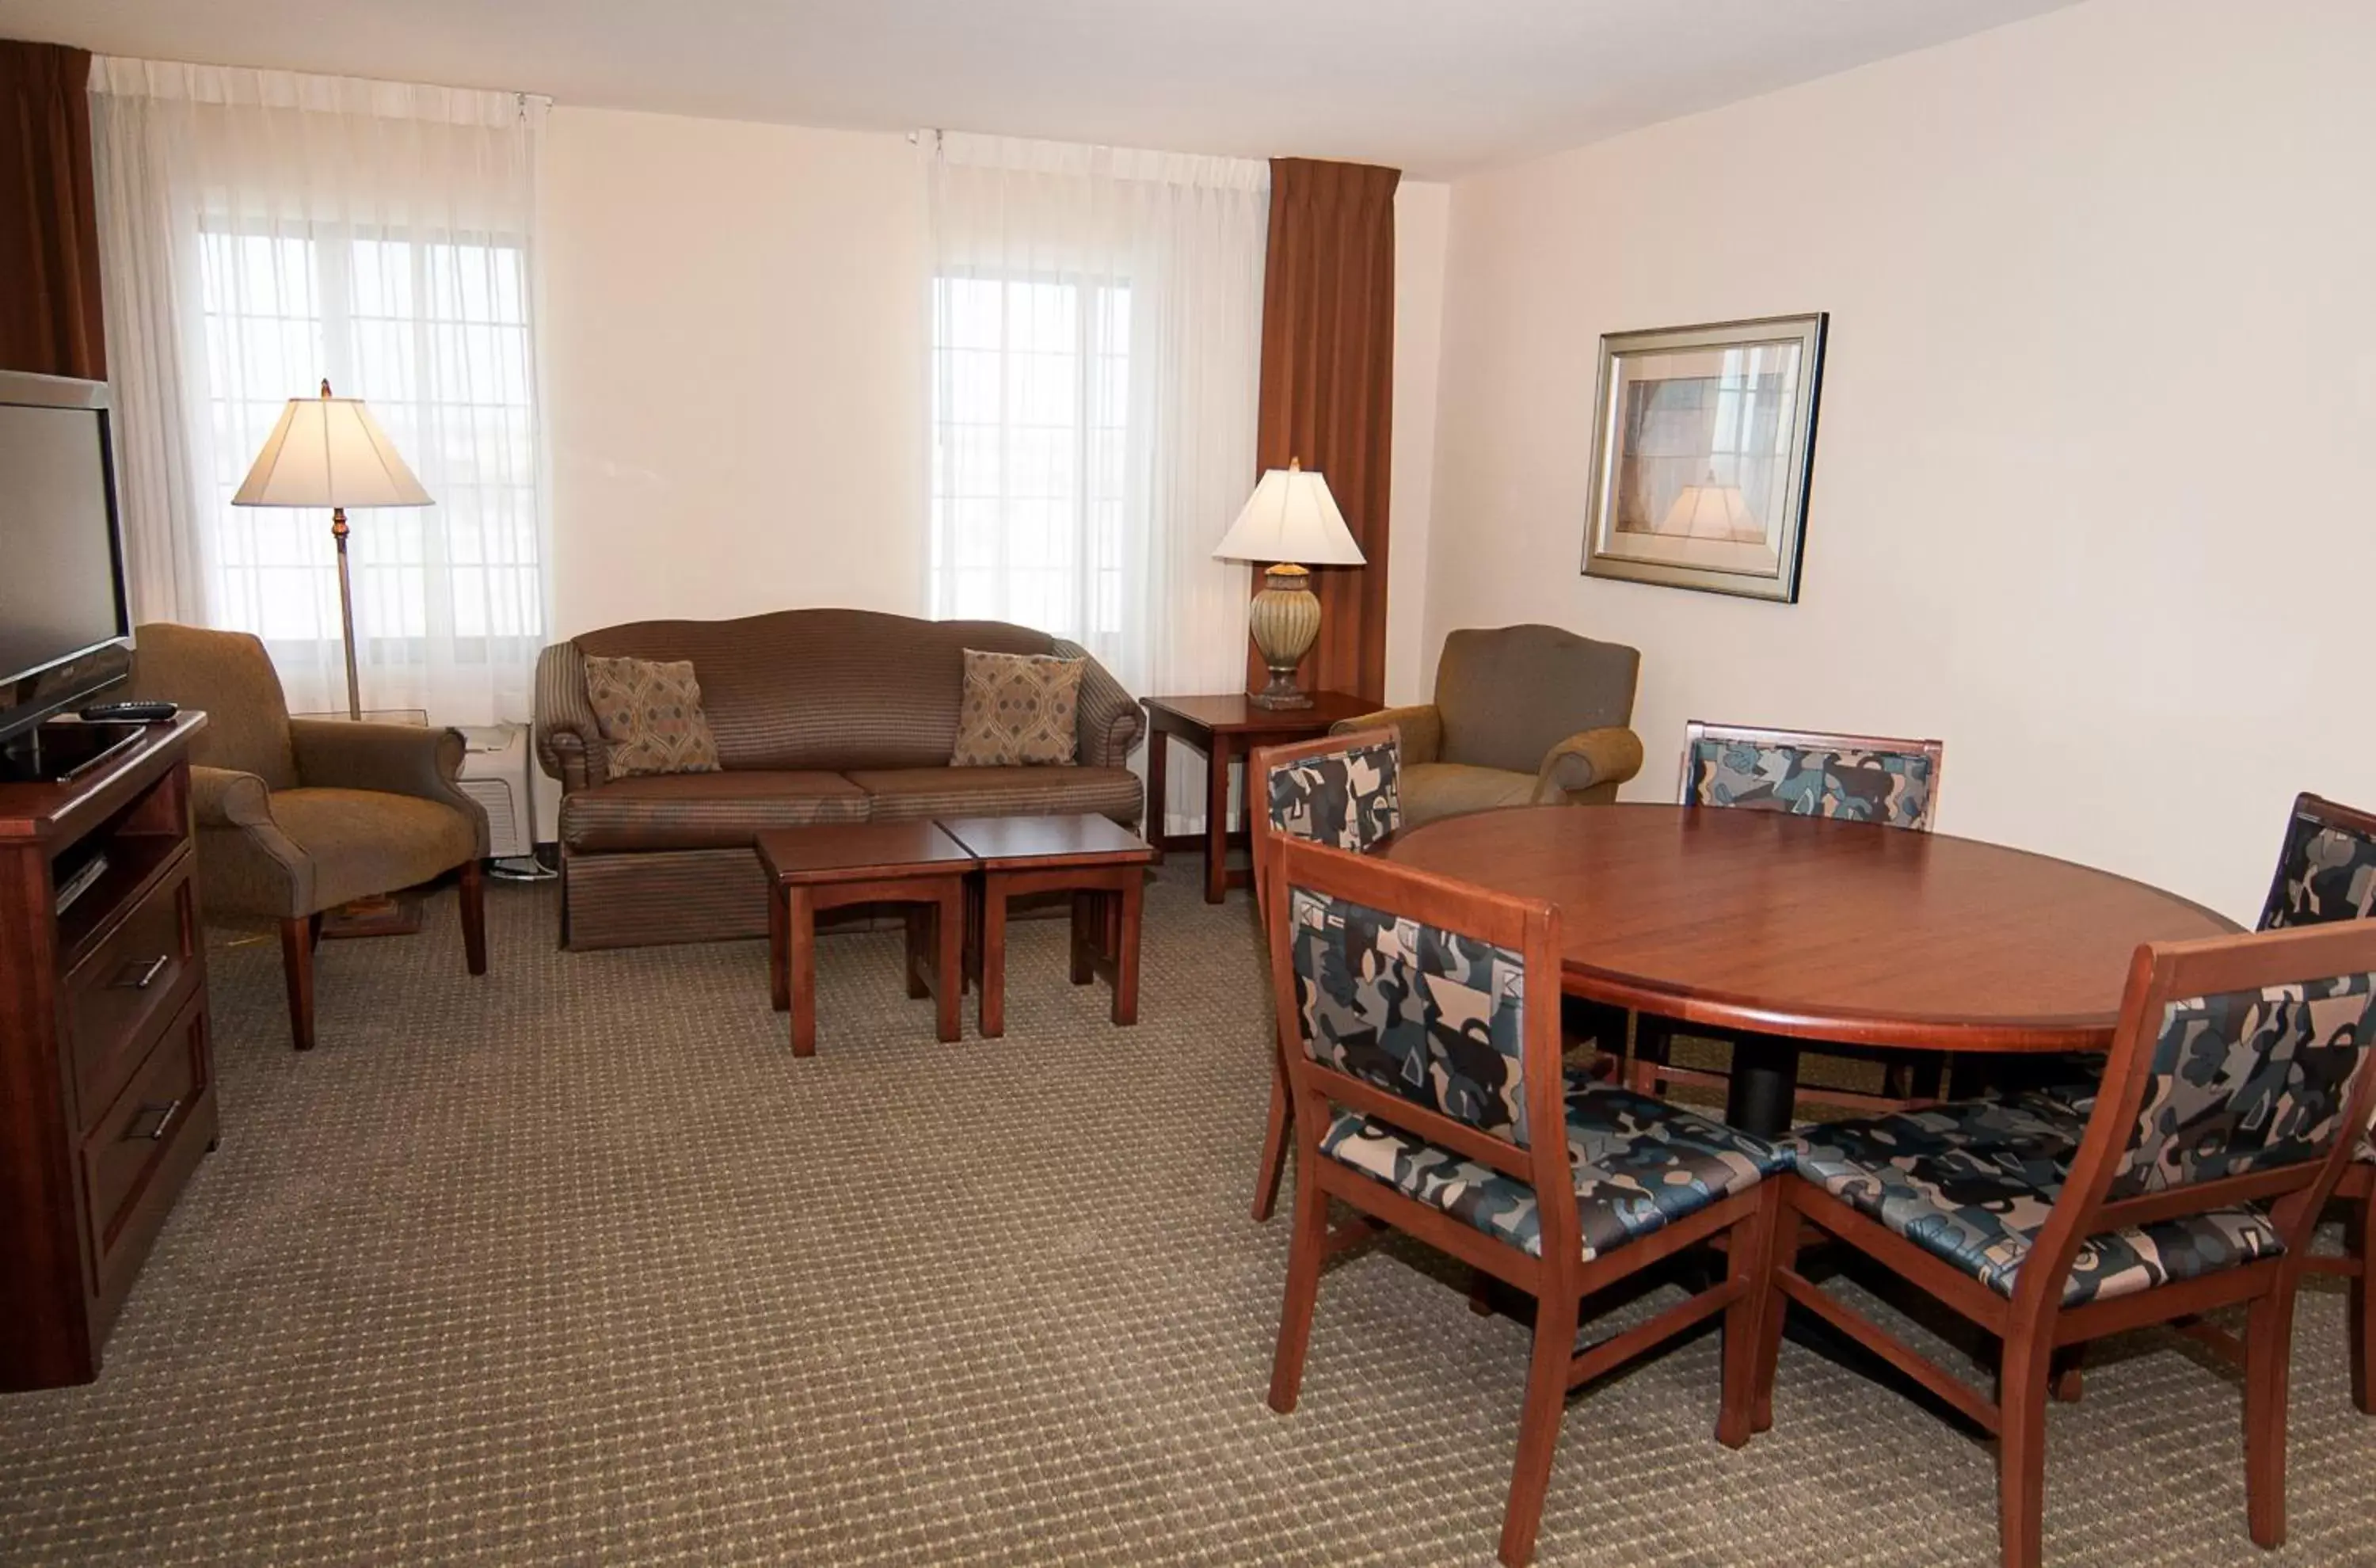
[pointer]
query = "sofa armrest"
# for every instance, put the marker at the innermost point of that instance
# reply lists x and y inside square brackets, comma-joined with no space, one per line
[224,797]
[568,741]
[393,759]
[1110,722]
[1589,766]
[1419,729]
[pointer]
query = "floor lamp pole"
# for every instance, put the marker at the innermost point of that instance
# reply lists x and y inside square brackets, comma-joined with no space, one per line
[346,605]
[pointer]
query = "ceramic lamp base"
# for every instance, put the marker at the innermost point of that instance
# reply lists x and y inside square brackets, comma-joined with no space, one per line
[1285,621]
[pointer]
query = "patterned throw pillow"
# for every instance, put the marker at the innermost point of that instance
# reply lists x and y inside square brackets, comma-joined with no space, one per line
[650,716]
[1019,708]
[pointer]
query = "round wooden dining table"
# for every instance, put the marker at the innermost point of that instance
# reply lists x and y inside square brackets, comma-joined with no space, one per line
[1776,929]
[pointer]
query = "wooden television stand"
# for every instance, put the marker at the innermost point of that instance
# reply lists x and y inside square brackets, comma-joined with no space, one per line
[107,1091]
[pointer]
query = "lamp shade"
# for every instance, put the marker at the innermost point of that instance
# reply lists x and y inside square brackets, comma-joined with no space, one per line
[1292,517]
[328,452]
[1711,511]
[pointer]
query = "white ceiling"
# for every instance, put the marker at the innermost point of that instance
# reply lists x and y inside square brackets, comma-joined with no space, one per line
[1435,87]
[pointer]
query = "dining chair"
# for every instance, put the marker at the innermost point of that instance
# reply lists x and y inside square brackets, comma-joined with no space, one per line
[2233,1098]
[1420,1019]
[1805,773]
[1344,790]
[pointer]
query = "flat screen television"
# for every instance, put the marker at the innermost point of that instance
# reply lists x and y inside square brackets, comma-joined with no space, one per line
[65,621]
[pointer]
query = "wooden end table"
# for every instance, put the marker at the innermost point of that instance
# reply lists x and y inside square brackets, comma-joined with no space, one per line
[831,865]
[1225,728]
[1101,865]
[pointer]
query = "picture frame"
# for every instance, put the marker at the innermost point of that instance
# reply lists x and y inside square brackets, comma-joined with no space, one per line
[1704,454]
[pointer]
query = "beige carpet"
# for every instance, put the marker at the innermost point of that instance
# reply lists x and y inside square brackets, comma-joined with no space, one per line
[574,1263]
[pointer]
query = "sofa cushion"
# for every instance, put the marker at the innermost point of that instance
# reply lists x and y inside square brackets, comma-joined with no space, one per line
[1432,789]
[704,811]
[1019,708]
[902,794]
[649,712]
[832,689]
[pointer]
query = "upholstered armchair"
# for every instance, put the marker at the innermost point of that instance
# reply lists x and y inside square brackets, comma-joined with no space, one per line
[1522,715]
[297,816]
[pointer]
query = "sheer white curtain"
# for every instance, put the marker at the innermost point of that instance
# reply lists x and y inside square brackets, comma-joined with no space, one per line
[1097,341]
[262,231]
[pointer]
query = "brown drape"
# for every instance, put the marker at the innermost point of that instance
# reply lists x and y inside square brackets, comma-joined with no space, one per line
[49,221]
[1327,389]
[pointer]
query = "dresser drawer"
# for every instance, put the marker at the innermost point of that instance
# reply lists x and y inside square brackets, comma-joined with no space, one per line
[129,984]
[141,1131]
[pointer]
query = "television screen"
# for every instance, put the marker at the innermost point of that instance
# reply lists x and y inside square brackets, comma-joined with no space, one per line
[57,545]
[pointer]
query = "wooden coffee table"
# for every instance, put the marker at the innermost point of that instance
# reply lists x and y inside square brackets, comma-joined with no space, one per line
[831,866]
[1101,865]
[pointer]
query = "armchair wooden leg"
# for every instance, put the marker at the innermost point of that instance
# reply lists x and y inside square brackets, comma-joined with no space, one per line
[474,915]
[297,969]
[2360,1238]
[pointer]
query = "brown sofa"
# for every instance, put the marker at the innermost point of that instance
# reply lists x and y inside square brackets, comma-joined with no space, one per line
[821,716]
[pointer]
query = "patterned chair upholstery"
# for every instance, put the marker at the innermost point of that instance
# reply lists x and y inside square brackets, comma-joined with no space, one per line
[1852,777]
[2326,869]
[1420,1022]
[2234,1090]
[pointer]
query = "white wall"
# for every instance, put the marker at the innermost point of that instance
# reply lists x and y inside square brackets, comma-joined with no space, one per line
[735,349]
[735,343]
[2095,495]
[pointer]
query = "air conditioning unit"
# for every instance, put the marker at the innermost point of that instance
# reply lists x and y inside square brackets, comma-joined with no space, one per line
[494,774]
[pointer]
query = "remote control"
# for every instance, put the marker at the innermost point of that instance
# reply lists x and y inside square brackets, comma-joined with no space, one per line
[131,712]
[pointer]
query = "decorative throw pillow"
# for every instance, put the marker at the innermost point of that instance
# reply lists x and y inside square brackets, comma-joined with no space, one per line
[650,716]
[1019,708]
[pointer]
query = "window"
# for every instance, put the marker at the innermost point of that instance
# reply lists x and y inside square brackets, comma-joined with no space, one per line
[1030,432]
[434,336]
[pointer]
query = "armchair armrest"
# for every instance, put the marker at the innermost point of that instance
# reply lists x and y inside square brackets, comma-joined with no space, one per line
[1110,722]
[1419,726]
[224,797]
[395,759]
[1589,764]
[568,739]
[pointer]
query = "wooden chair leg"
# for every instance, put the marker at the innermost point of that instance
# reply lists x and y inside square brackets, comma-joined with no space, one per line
[2066,1380]
[1304,1251]
[1749,1264]
[1481,1292]
[1275,1143]
[2268,1355]
[2021,1449]
[313,931]
[1538,1423]
[297,969]
[2360,1238]
[1651,1040]
[1782,1253]
[474,915]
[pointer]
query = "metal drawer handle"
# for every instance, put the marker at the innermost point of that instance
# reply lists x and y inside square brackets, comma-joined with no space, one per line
[137,975]
[165,1113]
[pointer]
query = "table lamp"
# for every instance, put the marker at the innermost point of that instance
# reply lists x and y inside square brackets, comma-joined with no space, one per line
[1291,523]
[329,452]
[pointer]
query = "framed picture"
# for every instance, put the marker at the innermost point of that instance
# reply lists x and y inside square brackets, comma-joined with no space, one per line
[1703,441]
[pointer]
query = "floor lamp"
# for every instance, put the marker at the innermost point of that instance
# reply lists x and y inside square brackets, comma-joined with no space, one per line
[329,452]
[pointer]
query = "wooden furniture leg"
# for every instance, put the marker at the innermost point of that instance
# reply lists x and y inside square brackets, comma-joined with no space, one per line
[992,907]
[1127,906]
[1538,1424]
[1771,1316]
[779,987]
[313,929]
[800,967]
[912,924]
[1217,820]
[1747,1256]
[2268,1352]
[297,969]
[1275,1146]
[2020,1447]
[1305,1249]
[949,967]
[474,915]
[2360,1238]
[1084,923]
[1153,822]
[1652,1038]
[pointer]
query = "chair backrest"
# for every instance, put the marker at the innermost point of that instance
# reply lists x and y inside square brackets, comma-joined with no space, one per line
[1341,790]
[1428,1004]
[2237,1068]
[2326,869]
[1853,778]
[229,676]
[1508,695]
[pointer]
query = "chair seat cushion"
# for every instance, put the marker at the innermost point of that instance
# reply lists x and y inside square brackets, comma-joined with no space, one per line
[905,793]
[1972,1182]
[1641,1165]
[1433,789]
[366,841]
[704,811]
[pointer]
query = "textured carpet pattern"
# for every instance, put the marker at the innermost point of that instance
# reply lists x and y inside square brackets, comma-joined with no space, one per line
[575,1264]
